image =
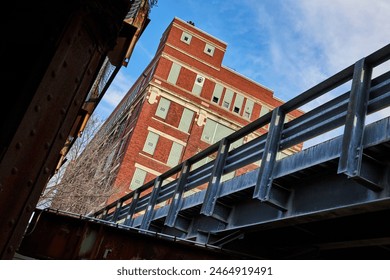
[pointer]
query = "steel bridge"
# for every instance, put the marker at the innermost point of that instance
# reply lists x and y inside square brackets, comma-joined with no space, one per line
[330,200]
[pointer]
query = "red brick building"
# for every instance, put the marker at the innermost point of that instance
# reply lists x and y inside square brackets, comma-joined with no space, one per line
[184,101]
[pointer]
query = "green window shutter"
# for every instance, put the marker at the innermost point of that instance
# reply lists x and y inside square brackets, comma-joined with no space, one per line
[236,144]
[264,110]
[163,108]
[200,163]
[175,154]
[174,73]
[138,179]
[238,103]
[151,143]
[221,132]
[217,93]
[227,99]
[209,131]
[186,120]
[248,108]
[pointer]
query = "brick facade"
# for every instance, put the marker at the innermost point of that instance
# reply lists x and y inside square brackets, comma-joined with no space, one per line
[184,73]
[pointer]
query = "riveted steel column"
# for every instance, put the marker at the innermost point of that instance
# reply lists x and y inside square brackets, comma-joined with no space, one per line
[213,187]
[133,205]
[152,202]
[264,181]
[352,149]
[177,201]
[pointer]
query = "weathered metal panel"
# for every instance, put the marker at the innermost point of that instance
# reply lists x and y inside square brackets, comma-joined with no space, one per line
[70,237]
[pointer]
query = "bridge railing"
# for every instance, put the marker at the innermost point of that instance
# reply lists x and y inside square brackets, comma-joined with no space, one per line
[366,96]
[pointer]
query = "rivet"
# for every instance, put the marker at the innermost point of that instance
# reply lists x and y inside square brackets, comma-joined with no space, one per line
[14,170]
[37,108]
[11,222]
[46,170]
[33,132]
[63,111]
[49,97]
[47,145]
[30,183]
[18,146]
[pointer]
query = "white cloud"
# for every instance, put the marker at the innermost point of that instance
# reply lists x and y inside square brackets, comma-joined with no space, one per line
[300,43]
[309,41]
[345,30]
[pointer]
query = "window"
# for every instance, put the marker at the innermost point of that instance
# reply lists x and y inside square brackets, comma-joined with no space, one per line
[248,108]
[175,154]
[151,143]
[174,73]
[209,49]
[217,93]
[238,103]
[186,120]
[227,100]
[264,110]
[200,163]
[163,107]
[198,85]
[213,131]
[186,38]
[138,178]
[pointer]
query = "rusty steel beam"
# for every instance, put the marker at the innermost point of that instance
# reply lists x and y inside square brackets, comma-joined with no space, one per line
[61,236]
[66,43]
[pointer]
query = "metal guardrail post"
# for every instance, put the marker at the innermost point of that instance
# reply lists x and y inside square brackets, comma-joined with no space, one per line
[264,182]
[118,209]
[104,215]
[215,179]
[133,205]
[177,201]
[152,202]
[352,150]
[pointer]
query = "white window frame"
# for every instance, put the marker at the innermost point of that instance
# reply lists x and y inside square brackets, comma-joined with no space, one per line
[209,49]
[185,35]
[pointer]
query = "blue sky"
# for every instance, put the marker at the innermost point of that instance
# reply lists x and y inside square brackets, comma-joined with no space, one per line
[285,45]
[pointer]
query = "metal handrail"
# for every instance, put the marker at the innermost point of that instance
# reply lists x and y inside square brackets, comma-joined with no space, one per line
[344,109]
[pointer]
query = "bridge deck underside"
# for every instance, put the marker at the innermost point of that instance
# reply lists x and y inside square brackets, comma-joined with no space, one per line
[324,213]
